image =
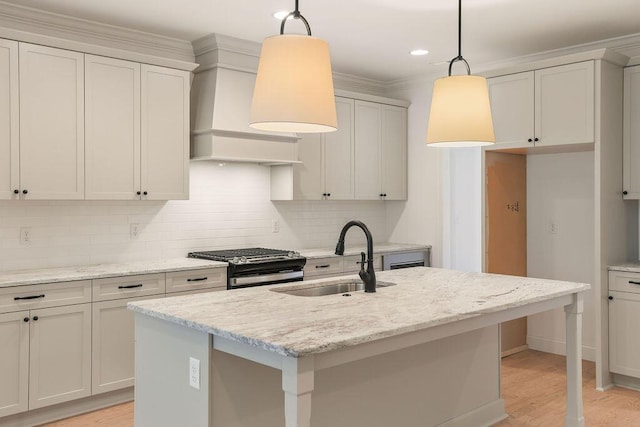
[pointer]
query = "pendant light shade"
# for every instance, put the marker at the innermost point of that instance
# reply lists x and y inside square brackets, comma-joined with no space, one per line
[460,108]
[294,85]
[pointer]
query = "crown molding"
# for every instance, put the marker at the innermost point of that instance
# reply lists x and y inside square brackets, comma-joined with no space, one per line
[55,30]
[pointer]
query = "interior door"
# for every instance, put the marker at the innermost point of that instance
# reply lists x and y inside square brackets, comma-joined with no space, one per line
[506,203]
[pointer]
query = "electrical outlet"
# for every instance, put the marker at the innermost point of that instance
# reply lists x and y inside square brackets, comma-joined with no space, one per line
[25,235]
[194,373]
[553,227]
[275,226]
[134,229]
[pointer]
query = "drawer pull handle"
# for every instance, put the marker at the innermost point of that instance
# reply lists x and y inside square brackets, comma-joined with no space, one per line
[29,297]
[632,282]
[323,266]
[130,286]
[197,279]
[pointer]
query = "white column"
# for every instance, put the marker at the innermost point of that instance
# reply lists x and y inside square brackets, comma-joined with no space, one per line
[297,383]
[573,314]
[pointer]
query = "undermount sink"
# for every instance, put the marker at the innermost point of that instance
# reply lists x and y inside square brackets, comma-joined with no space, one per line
[343,286]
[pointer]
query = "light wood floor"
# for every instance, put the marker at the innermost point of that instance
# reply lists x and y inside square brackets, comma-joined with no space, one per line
[533,387]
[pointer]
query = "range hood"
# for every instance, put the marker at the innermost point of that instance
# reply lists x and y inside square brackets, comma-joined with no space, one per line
[221,96]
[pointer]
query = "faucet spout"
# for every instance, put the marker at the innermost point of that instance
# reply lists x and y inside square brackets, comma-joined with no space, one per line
[368,276]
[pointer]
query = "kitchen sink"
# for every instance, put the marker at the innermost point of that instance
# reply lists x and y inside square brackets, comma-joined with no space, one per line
[343,286]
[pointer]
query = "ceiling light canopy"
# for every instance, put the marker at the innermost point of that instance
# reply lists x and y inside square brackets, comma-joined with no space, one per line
[460,109]
[419,52]
[294,85]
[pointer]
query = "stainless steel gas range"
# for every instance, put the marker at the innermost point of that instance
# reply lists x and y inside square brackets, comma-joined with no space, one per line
[257,266]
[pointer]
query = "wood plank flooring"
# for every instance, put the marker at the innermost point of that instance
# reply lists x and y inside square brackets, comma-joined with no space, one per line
[533,387]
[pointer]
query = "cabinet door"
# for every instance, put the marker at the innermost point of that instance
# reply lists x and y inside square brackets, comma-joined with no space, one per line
[624,345]
[393,151]
[14,363]
[339,152]
[367,150]
[112,145]
[9,123]
[565,104]
[113,344]
[631,146]
[51,123]
[60,355]
[512,101]
[308,176]
[165,133]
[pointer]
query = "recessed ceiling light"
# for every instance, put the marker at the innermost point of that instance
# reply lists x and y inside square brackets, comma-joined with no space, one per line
[280,15]
[419,52]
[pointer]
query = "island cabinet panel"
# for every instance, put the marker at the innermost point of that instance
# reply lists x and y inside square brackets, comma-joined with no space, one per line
[547,107]
[51,123]
[631,138]
[59,355]
[14,362]
[112,108]
[9,121]
[164,133]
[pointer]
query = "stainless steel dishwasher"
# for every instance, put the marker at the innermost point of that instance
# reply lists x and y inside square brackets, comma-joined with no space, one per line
[394,261]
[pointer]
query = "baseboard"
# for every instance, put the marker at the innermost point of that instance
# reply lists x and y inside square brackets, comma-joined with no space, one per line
[483,416]
[626,382]
[514,350]
[68,409]
[558,347]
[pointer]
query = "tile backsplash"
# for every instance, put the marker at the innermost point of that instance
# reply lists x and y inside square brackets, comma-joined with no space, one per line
[229,206]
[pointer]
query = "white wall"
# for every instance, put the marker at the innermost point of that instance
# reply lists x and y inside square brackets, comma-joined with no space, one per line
[560,191]
[229,207]
[419,219]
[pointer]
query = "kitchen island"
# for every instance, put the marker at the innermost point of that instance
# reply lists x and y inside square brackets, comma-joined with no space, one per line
[422,352]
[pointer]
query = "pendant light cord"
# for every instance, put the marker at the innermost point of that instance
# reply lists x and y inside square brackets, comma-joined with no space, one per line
[296,15]
[459,57]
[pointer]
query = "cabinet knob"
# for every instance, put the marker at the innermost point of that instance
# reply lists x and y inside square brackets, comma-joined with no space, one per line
[24,191]
[35,318]
[145,193]
[529,140]
[381,195]
[328,194]
[384,195]
[536,139]
[138,193]
[625,192]
[26,319]
[610,298]
[16,191]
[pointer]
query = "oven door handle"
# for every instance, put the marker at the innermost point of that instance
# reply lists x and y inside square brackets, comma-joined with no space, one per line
[254,280]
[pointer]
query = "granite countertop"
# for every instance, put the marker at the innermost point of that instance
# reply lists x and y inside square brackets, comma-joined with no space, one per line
[381,248]
[297,326]
[631,267]
[66,274]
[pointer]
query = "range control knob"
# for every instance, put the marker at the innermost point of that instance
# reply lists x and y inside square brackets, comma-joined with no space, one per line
[293,254]
[243,260]
[236,260]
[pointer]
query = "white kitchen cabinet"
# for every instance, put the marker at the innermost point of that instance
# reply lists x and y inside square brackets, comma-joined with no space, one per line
[196,280]
[51,123]
[393,151]
[14,362]
[339,154]
[112,138]
[317,268]
[624,316]
[631,139]
[164,133]
[545,107]
[9,121]
[368,118]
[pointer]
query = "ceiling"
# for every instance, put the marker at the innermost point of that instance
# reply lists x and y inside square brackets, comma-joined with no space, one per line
[372,38]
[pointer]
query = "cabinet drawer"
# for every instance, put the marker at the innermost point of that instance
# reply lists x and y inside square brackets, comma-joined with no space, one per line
[352,263]
[192,280]
[128,286]
[624,281]
[323,266]
[17,298]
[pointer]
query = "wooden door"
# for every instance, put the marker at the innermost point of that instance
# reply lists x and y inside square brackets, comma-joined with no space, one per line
[51,123]
[14,362]
[9,123]
[506,204]
[112,145]
[393,161]
[367,150]
[339,152]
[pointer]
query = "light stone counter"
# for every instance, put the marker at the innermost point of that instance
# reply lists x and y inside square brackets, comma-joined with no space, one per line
[87,272]
[297,326]
[382,248]
[630,267]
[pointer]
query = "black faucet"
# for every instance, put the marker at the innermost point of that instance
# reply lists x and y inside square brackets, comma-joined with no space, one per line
[368,276]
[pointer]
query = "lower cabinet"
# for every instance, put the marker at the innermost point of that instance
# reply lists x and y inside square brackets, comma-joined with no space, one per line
[45,357]
[624,346]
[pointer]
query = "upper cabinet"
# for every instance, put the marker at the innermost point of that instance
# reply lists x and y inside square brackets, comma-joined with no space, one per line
[9,120]
[550,106]
[51,123]
[365,159]
[631,144]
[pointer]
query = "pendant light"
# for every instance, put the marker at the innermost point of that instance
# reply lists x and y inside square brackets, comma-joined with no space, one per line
[294,85]
[460,109]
